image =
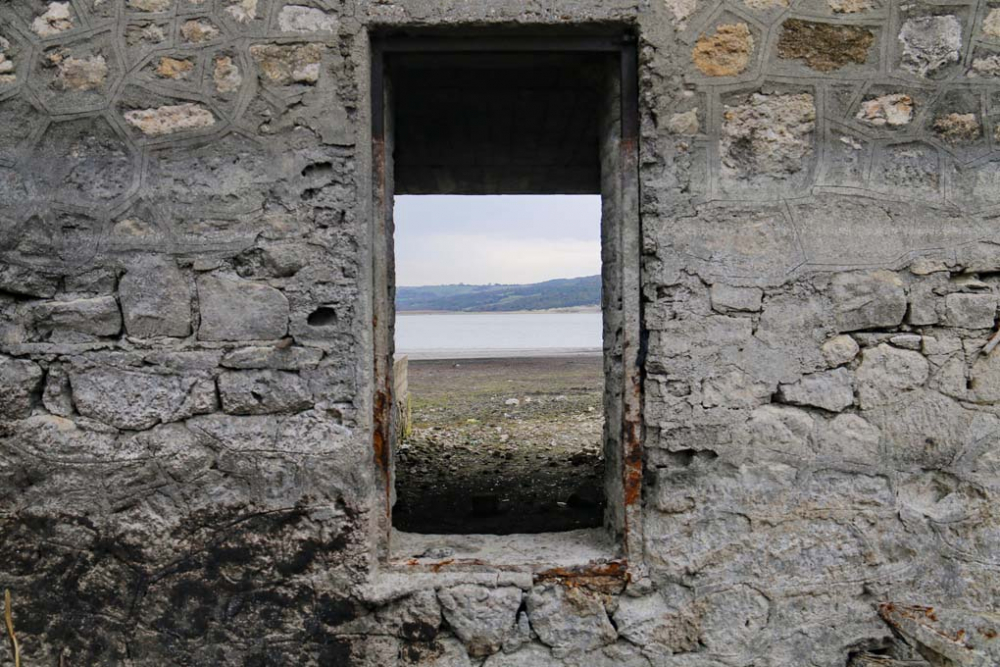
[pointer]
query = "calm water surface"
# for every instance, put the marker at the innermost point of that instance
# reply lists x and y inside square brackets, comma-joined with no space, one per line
[454,335]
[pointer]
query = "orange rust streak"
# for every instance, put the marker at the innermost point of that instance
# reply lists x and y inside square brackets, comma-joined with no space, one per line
[616,569]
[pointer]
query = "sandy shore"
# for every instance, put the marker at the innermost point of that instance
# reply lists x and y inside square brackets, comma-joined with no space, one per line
[568,309]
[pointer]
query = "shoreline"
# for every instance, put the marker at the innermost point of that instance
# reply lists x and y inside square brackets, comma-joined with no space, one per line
[527,353]
[570,310]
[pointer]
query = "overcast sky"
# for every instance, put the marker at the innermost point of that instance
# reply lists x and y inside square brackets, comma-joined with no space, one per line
[447,239]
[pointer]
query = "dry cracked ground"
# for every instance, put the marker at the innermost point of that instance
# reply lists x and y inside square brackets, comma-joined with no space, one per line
[502,446]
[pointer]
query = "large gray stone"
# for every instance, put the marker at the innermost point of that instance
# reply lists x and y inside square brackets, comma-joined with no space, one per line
[726,299]
[95,317]
[970,311]
[20,381]
[304,434]
[649,620]
[263,392]
[481,617]
[985,379]
[569,619]
[887,373]
[136,400]
[234,309]
[930,430]
[735,389]
[282,359]
[850,438]
[830,390]
[532,655]
[779,430]
[156,300]
[27,282]
[867,300]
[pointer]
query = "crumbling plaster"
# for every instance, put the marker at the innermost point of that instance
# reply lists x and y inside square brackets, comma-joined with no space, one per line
[186,471]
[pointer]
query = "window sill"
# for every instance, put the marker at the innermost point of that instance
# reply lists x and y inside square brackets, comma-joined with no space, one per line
[589,549]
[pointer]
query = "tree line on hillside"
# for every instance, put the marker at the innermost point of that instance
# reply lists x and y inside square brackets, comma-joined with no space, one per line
[561,293]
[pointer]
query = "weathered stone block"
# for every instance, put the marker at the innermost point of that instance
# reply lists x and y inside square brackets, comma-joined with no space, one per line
[285,65]
[481,617]
[726,299]
[930,43]
[768,134]
[830,390]
[197,32]
[528,656]
[99,282]
[685,123]
[174,68]
[281,359]
[840,350]
[649,621]
[867,300]
[58,17]
[226,75]
[135,400]
[20,381]
[971,311]
[96,317]
[824,47]
[156,300]
[263,392]
[78,74]
[780,430]
[234,309]
[894,110]
[725,53]
[851,439]
[887,373]
[57,397]
[27,282]
[735,389]
[302,19]
[908,341]
[956,128]
[570,620]
[985,378]
[926,306]
[930,430]
[170,119]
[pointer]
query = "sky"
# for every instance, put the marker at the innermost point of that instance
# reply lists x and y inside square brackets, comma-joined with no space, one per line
[516,239]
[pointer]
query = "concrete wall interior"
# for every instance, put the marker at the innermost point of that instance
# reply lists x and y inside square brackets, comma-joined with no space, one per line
[496,123]
[186,465]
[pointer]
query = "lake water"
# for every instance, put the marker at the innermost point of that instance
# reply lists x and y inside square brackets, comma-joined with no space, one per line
[471,335]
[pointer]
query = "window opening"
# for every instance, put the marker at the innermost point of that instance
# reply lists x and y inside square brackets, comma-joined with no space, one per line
[469,118]
[499,373]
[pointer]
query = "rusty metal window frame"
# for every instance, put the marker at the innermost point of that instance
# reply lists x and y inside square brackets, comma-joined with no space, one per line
[624,44]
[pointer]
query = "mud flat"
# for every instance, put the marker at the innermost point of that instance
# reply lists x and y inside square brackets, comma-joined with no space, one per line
[502,445]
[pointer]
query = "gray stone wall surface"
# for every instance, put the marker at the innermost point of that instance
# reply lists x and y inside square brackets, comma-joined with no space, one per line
[186,467]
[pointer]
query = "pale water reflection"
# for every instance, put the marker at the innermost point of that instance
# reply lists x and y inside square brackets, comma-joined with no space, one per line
[471,335]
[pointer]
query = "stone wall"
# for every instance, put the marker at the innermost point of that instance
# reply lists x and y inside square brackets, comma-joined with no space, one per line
[186,474]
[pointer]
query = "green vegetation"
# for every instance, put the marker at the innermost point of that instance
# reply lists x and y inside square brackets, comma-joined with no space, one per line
[562,293]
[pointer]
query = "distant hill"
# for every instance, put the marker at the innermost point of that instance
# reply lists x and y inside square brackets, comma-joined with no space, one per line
[562,293]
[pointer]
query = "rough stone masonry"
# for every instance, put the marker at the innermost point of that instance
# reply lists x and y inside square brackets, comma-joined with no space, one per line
[186,471]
